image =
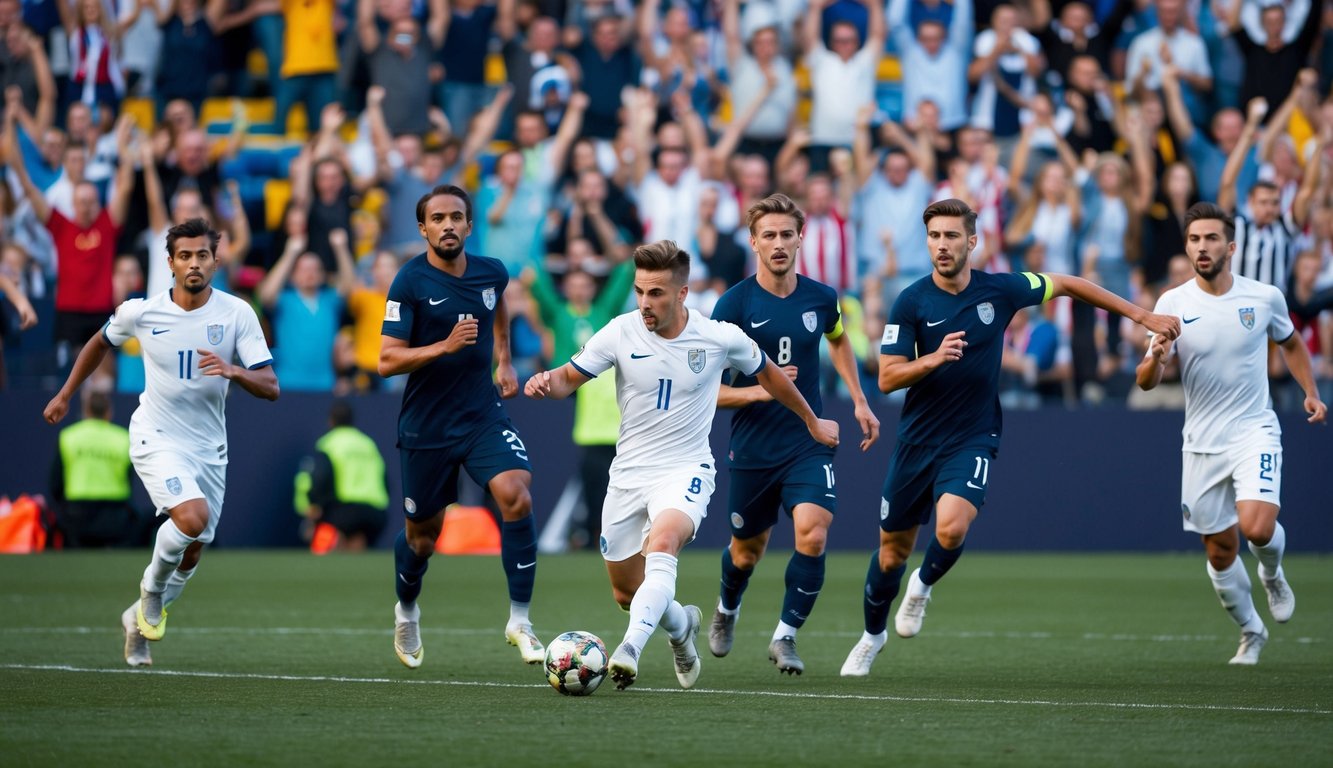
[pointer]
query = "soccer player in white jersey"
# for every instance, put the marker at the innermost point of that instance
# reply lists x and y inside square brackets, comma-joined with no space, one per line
[669,363]
[1232,478]
[190,336]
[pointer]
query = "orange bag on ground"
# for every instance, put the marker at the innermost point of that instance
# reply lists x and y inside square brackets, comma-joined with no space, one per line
[468,531]
[21,530]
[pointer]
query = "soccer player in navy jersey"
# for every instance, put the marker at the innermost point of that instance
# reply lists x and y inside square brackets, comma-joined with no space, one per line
[944,339]
[444,315]
[774,460]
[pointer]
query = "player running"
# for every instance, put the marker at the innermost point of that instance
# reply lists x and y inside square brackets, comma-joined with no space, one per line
[949,432]
[774,461]
[668,364]
[444,318]
[1232,477]
[190,336]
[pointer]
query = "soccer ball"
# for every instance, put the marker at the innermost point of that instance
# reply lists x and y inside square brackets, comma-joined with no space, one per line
[576,663]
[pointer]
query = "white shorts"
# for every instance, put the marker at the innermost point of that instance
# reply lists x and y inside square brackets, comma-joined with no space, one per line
[1212,483]
[628,513]
[173,477]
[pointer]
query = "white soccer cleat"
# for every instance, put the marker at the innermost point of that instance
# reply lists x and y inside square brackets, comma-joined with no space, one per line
[136,646]
[862,657]
[1251,643]
[686,656]
[407,636]
[782,652]
[624,666]
[1281,600]
[912,611]
[529,647]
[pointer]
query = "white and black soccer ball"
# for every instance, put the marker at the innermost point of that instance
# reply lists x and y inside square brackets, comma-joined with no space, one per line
[576,663]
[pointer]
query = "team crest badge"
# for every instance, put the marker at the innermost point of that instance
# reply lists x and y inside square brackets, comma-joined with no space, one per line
[174,486]
[1247,317]
[215,334]
[736,520]
[697,358]
[811,321]
[488,298]
[986,311]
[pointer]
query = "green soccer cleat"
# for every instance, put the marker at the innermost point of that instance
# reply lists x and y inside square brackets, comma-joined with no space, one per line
[149,615]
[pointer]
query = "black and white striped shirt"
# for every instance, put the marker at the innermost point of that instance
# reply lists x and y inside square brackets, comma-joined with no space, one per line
[1265,253]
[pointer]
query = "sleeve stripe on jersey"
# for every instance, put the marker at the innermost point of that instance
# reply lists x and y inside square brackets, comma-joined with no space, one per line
[1287,339]
[836,332]
[763,360]
[264,364]
[1050,284]
[576,367]
[113,344]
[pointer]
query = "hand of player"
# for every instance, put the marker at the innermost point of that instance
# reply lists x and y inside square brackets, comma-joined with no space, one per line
[56,409]
[507,379]
[1317,410]
[212,365]
[951,349]
[1163,324]
[869,425]
[538,386]
[464,335]
[825,432]
[791,371]
[1160,348]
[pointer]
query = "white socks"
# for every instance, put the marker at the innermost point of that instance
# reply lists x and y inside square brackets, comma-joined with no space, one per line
[876,641]
[176,583]
[1233,589]
[726,611]
[1270,554]
[784,630]
[518,615]
[655,603]
[167,554]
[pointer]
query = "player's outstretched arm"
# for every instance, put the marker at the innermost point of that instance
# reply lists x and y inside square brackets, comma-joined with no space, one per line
[1297,356]
[739,397]
[557,384]
[1091,293]
[90,357]
[772,379]
[1148,374]
[844,362]
[897,372]
[261,382]
[397,357]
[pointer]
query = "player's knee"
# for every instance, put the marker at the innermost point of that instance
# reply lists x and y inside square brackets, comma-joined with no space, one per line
[515,502]
[891,556]
[191,521]
[812,542]
[622,597]
[1259,532]
[422,544]
[951,537]
[1221,559]
[745,557]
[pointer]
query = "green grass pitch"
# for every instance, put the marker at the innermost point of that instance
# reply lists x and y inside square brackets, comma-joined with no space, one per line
[281,658]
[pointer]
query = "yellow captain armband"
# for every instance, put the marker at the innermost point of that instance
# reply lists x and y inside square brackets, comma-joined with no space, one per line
[836,332]
[1035,280]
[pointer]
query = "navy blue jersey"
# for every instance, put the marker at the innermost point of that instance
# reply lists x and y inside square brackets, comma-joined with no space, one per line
[960,400]
[788,331]
[453,396]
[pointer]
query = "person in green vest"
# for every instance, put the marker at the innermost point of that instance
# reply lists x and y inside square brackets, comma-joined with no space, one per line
[90,480]
[345,483]
[572,319]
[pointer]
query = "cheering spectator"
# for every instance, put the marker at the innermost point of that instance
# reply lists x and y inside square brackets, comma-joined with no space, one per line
[843,79]
[26,69]
[95,76]
[607,65]
[511,211]
[464,93]
[309,59]
[747,64]
[306,313]
[1170,40]
[1004,72]
[188,50]
[1271,63]
[934,61]
[1077,33]
[399,62]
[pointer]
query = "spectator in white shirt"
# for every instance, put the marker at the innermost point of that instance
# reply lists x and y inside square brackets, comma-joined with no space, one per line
[934,61]
[1186,49]
[841,79]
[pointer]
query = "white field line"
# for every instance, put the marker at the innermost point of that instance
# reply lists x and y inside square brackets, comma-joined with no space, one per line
[1131,705]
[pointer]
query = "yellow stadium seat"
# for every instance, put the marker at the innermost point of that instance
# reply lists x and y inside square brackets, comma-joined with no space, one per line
[890,70]
[495,69]
[374,200]
[216,110]
[256,63]
[277,193]
[259,111]
[298,124]
[142,110]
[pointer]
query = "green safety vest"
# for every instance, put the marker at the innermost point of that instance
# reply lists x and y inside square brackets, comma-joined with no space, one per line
[96,459]
[358,468]
[596,412]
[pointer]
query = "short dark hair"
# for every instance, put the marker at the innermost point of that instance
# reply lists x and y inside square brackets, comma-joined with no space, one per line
[340,413]
[952,207]
[1207,212]
[777,203]
[98,404]
[664,255]
[192,228]
[1264,184]
[444,189]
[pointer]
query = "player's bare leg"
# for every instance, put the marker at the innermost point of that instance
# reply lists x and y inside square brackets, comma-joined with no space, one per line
[188,521]
[883,579]
[953,518]
[738,563]
[804,580]
[518,554]
[1268,541]
[1232,583]
[412,551]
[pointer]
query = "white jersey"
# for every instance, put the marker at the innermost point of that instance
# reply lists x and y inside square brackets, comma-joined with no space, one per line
[1223,350]
[666,389]
[179,403]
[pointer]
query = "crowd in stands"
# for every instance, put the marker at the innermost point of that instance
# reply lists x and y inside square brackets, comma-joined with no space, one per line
[306,130]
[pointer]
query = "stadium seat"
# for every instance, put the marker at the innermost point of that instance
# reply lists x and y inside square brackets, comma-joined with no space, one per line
[144,112]
[495,69]
[277,193]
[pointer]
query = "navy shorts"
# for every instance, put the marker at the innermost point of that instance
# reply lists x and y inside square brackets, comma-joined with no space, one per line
[430,475]
[919,475]
[756,494]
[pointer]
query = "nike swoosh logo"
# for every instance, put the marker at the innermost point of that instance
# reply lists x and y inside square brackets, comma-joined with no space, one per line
[876,603]
[633,356]
[970,485]
[405,581]
[434,302]
[937,322]
[831,496]
[687,498]
[156,331]
[1191,319]
[802,591]
[1265,490]
[753,324]
[522,566]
